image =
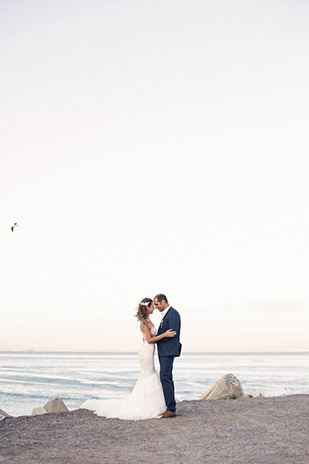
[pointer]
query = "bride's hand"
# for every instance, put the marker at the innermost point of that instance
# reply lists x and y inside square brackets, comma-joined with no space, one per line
[170,333]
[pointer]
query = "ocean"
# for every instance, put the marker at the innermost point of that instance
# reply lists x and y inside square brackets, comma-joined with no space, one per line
[30,379]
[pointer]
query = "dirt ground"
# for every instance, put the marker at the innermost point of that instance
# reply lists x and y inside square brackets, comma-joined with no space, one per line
[249,431]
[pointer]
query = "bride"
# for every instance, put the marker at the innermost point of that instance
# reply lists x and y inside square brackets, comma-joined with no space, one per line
[146,399]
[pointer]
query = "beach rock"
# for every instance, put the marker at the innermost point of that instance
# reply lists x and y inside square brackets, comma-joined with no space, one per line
[3,415]
[227,387]
[55,405]
[37,411]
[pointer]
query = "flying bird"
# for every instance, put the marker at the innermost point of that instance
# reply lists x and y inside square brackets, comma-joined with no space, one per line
[15,225]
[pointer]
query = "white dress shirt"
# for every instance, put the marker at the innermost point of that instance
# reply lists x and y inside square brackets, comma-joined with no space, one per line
[163,313]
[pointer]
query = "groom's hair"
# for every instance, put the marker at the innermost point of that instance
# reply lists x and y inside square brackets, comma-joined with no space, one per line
[160,297]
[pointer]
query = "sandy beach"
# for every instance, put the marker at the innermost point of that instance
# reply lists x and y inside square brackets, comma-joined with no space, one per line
[250,431]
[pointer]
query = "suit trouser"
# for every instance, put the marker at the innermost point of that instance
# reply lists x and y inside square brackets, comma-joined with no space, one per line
[166,377]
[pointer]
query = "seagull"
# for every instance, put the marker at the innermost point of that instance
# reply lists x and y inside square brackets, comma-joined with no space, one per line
[15,225]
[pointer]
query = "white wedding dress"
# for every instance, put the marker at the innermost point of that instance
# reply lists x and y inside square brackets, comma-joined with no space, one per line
[146,400]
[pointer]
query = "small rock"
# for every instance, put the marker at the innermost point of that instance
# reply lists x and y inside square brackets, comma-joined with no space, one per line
[55,405]
[3,415]
[38,411]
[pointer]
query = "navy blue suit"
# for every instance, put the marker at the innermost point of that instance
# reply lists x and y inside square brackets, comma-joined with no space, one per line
[168,349]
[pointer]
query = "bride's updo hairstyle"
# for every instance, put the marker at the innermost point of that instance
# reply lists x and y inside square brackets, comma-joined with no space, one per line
[142,311]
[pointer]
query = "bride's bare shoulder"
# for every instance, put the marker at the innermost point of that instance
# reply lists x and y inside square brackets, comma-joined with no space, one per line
[146,329]
[142,327]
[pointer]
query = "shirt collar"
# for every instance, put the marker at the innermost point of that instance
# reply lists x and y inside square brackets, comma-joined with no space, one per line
[164,312]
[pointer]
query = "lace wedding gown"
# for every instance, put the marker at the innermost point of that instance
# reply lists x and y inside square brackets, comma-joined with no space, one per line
[146,399]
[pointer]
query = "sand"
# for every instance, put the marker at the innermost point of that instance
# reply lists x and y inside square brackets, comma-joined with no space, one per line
[250,431]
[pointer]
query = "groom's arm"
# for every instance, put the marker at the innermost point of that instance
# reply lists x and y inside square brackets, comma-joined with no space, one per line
[172,321]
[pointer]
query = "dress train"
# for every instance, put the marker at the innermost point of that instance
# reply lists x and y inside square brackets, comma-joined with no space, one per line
[146,400]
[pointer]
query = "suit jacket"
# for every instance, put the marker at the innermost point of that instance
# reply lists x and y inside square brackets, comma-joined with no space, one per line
[170,346]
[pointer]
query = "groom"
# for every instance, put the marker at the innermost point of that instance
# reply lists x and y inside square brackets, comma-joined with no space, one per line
[168,349]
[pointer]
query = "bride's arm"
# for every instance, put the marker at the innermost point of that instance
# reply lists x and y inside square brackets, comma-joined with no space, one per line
[151,339]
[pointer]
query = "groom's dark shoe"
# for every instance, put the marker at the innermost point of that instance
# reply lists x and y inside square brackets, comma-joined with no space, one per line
[168,414]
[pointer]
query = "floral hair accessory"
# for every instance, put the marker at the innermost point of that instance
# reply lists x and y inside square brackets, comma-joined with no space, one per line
[145,303]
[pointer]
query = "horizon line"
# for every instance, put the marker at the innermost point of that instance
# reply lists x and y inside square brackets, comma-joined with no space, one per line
[30,350]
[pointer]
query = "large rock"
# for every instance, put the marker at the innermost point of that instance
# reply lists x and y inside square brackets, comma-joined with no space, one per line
[227,387]
[55,405]
[3,415]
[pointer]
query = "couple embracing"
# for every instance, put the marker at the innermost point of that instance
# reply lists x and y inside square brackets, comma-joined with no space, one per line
[151,396]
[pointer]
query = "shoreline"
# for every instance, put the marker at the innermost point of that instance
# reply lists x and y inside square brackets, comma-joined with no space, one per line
[259,396]
[249,397]
[251,431]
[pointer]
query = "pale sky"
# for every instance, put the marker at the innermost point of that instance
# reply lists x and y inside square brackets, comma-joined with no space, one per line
[154,146]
